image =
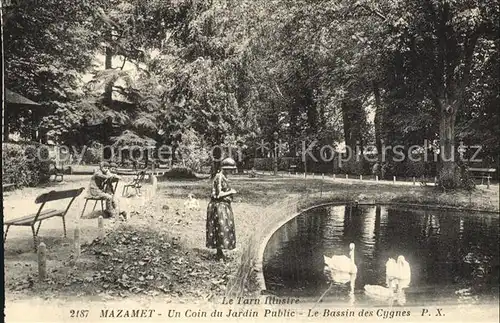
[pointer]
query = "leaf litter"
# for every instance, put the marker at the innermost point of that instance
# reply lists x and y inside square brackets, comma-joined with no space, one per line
[131,260]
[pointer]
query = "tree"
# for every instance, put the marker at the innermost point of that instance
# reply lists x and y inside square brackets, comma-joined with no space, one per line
[430,53]
[47,49]
[442,38]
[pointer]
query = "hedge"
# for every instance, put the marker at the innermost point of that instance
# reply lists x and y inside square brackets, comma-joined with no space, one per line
[180,172]
[25,164]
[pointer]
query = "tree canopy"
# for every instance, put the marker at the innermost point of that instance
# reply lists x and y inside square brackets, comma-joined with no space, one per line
[225,71]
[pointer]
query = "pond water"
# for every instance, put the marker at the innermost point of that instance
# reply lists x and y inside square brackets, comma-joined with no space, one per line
[454,257]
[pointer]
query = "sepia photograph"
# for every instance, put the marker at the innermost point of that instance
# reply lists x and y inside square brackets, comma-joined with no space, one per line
[250,160]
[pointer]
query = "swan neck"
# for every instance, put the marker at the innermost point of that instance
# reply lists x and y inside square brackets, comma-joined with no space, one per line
[351,255]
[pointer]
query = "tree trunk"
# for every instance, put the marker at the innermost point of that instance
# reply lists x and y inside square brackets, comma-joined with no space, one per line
[217,155]
[449,176]
[5,124]
[347,123]
[353,119]
[348,134]
[378,121]
[294,129]
[216,163]
[108,64]
[312,113]
[35,121]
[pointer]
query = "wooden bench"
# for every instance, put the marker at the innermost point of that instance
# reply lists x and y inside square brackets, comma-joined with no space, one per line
[125,171]
[485,173]
[43,214]
[293,169]
[7,186]
[136,183]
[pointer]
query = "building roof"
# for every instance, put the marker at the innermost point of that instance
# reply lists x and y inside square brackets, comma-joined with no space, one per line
[12,98]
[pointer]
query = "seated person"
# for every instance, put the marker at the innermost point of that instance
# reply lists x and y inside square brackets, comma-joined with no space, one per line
[113,167]
[99,188]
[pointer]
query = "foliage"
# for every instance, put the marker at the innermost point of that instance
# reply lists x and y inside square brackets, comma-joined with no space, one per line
[223,72]
[92,156]
[193,154]
[47,48]
[25,165]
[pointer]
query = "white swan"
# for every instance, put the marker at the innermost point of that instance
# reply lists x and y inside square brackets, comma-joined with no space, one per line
[404,277]
[342,263]
[379,291]
[399,269]
[338,277]
[404,269]
[391,268]
[398,275]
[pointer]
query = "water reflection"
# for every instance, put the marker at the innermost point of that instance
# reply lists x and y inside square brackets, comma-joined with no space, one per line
[337,278]
[453,256]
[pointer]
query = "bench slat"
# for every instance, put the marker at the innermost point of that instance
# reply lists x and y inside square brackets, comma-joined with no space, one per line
[58,195]
[486,170]
[28,219]
[96,198]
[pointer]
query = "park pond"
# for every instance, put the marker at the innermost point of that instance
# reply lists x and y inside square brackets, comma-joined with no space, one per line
[454,256]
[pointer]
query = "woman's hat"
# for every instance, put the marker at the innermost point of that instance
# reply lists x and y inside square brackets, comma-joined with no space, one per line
[228,163]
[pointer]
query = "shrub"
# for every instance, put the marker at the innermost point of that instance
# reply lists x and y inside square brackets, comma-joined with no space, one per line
[191,150]
[267,163]
[353,167]
[180,172]
[25,165]
[262,163]
[466,179]
[92,155]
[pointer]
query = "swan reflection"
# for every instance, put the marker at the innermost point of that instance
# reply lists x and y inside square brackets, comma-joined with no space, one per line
[340,278]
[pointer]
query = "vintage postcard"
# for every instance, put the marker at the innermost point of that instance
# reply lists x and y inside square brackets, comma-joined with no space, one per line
[250,160]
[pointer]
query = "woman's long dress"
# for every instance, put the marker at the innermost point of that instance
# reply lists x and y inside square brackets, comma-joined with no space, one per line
[220,219]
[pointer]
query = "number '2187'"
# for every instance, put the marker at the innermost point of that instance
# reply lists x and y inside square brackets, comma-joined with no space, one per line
[78,313]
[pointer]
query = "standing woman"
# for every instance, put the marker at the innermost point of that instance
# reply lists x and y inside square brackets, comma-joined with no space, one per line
[220,219]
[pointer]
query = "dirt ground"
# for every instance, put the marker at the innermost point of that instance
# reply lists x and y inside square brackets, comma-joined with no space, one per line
[159,252]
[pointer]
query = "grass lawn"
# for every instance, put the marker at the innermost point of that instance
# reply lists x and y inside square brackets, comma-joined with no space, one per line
[160,251]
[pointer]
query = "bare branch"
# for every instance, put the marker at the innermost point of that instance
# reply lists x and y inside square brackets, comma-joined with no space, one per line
[372,10]
[124,61]
[470,46]
[278,89]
